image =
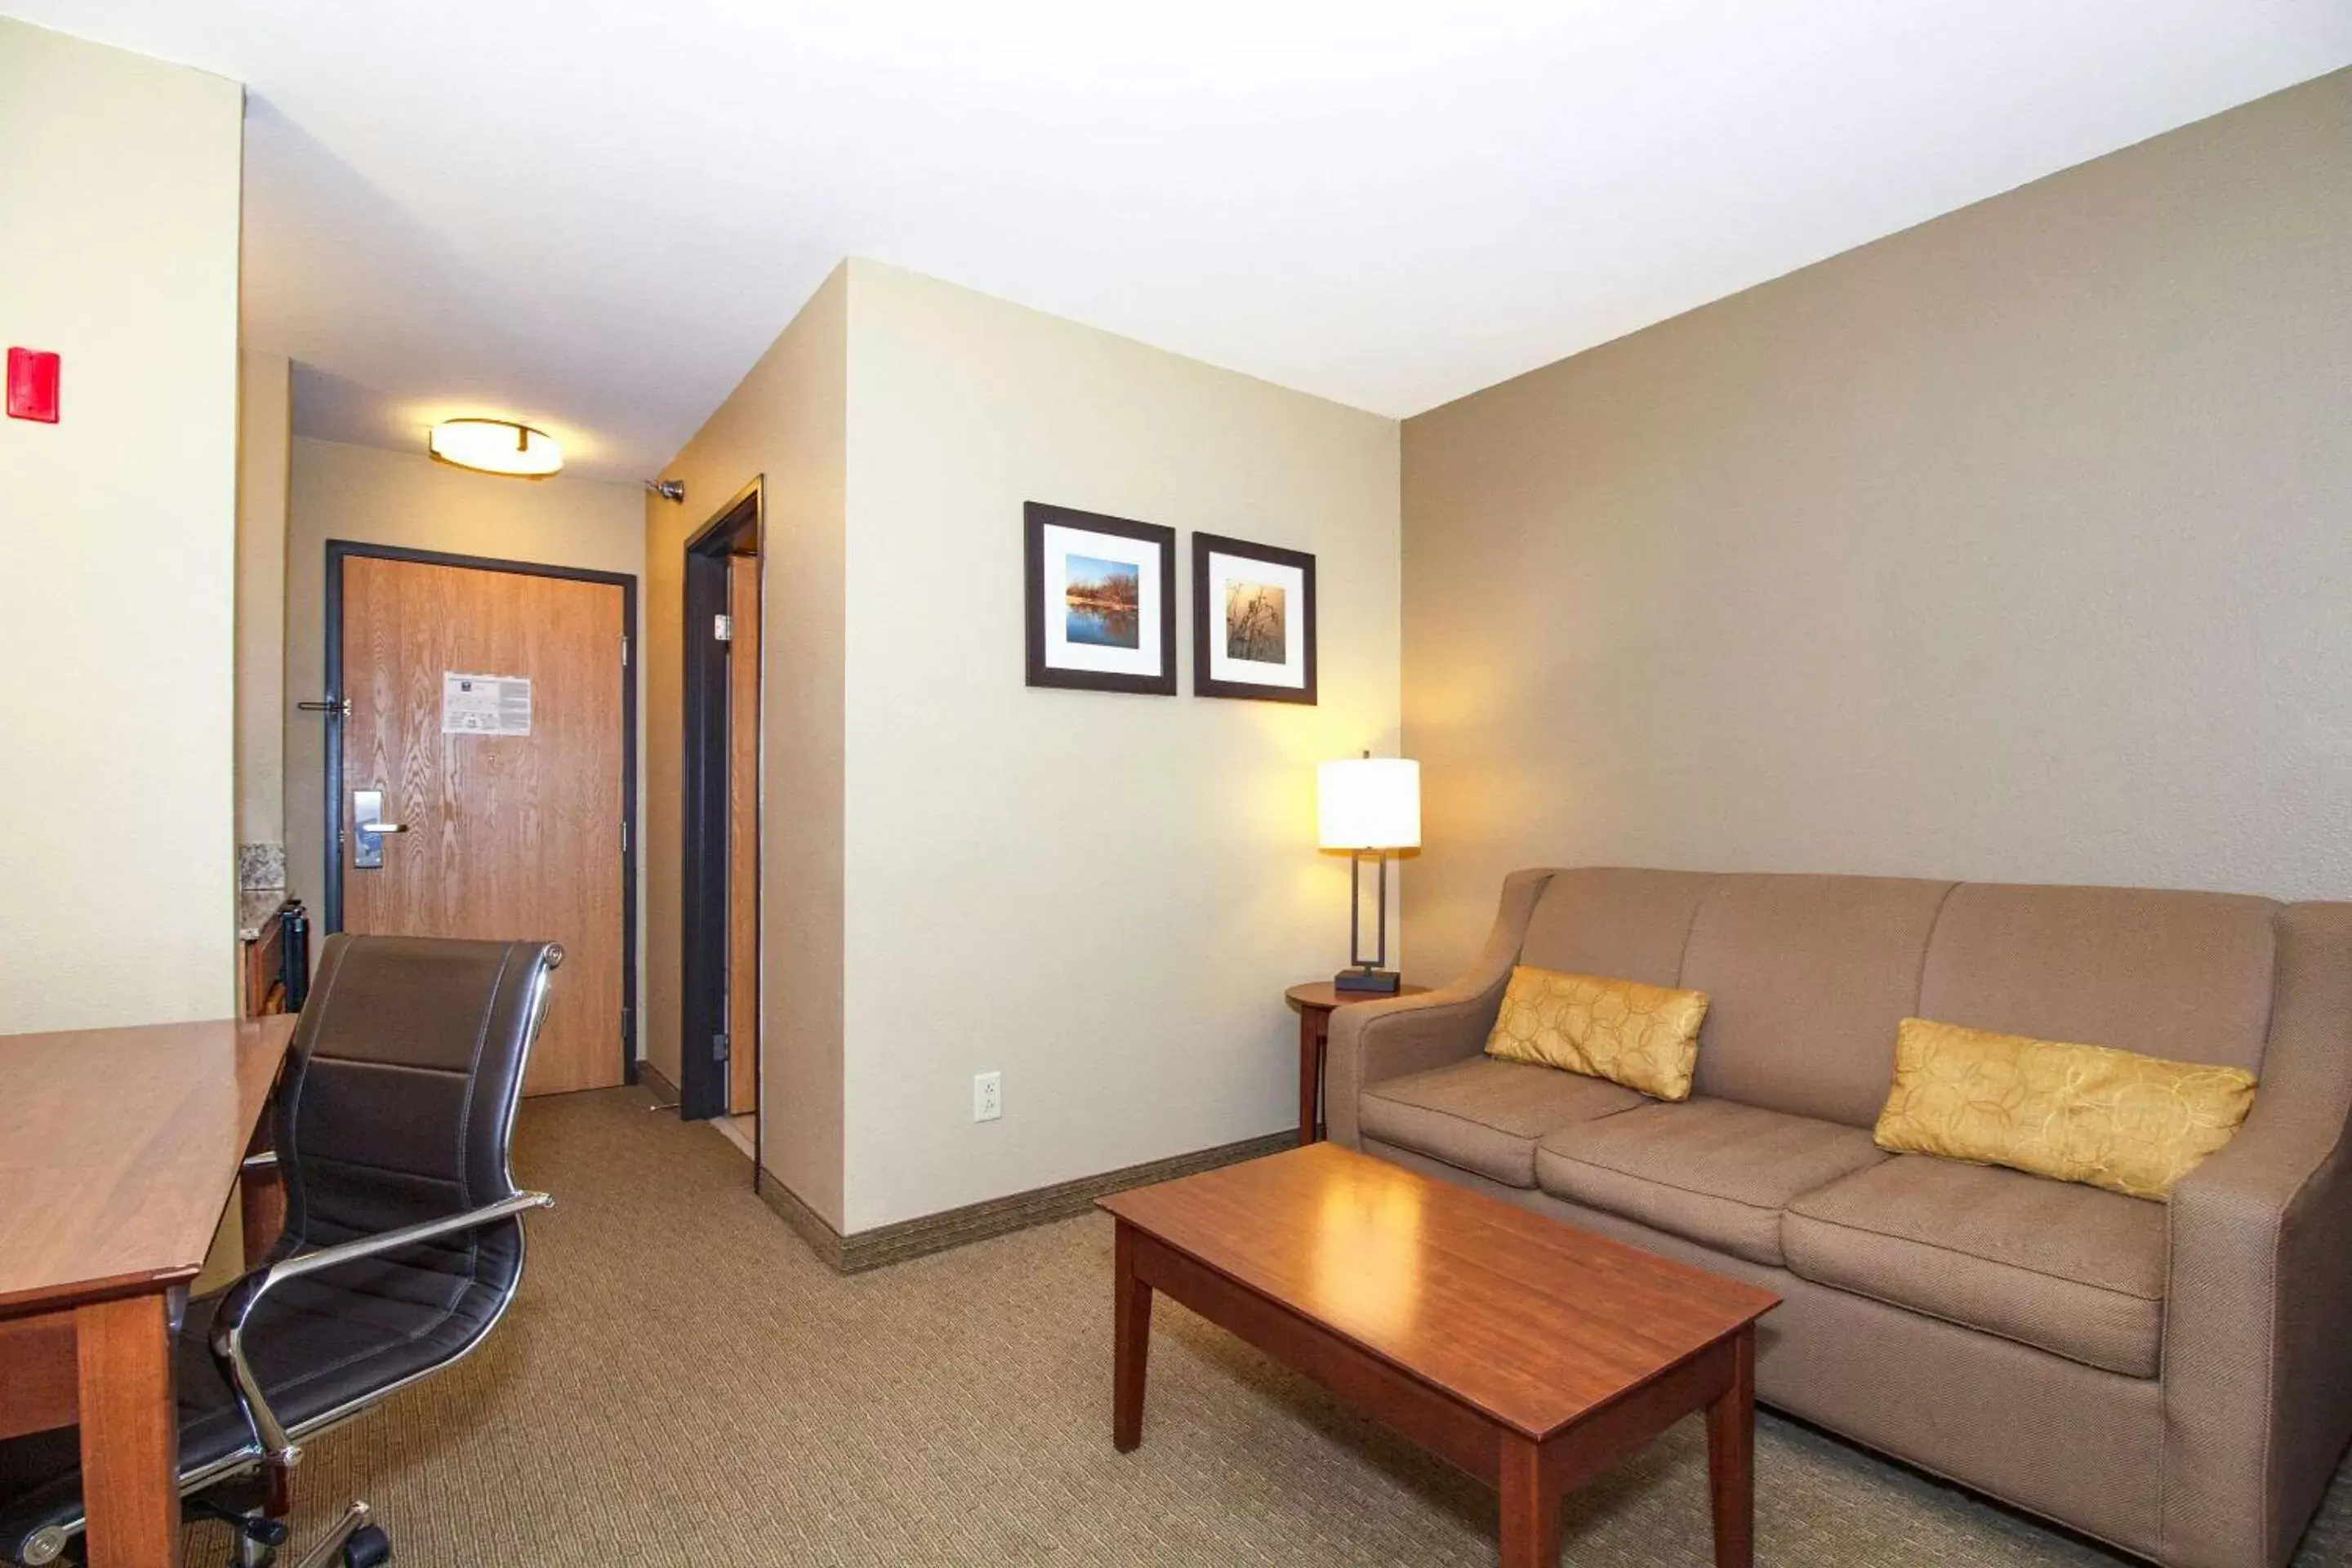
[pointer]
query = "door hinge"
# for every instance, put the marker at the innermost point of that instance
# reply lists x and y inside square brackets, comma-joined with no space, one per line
[718,1046]
[625,835]
[723,628]
[624,650]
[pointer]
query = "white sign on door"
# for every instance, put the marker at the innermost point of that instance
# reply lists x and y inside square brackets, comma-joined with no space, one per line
[485,704]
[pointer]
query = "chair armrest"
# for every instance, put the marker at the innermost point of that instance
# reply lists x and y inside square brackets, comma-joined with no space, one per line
[1370,1041]
[2257,1371]
[238,1304]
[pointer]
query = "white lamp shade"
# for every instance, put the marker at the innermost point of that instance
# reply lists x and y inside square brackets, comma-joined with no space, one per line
[1369,803]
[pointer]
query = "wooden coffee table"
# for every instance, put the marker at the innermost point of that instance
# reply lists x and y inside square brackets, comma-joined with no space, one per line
[1527,1353]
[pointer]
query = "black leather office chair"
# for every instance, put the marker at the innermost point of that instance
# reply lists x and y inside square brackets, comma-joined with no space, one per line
[402,1244]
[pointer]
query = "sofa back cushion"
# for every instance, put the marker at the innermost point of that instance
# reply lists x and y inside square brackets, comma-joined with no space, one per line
[1606,919]
[1808,978]
[2182,975]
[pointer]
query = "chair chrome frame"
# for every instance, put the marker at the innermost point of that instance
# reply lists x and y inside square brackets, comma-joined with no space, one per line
[271,1441]
[274,1446]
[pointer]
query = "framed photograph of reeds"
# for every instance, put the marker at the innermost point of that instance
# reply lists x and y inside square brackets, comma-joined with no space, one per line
[1101,602]
[1253,621]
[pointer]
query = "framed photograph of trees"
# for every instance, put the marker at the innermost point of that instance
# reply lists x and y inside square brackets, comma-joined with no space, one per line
[1101,602]
[1253,621]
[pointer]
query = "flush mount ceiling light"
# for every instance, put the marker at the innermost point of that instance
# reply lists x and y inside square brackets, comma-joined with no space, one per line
[495,447]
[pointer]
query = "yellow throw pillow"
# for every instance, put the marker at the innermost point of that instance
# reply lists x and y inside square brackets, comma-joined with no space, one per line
[2080,1113]
[1644,1037]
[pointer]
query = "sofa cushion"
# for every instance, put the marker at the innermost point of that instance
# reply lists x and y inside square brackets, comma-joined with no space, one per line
[2186,976]
[1485,1115]
[1710,1171]
[1601,920]
[2071,1269]
[1807,977]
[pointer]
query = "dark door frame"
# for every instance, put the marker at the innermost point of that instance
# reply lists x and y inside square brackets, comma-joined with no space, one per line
[339,706]
[704,1043]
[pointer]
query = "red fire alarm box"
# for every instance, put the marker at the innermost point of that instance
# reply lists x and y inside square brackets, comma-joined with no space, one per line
[32,386]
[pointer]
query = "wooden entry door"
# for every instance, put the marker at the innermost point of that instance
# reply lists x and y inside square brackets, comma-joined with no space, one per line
[511,830]
[743,834]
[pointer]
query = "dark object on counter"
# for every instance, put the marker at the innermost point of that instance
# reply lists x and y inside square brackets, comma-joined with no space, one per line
[295,954]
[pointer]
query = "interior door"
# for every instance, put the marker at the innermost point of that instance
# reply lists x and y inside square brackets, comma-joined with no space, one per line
[743,834]
[485,716]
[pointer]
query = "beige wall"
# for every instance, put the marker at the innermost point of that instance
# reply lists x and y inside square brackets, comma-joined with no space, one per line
[2018,546]
[783,422]
[1101,896]
[376,497]
[118,196]
[264,438]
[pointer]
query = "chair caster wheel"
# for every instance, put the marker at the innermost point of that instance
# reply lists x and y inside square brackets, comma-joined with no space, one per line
[369,1547]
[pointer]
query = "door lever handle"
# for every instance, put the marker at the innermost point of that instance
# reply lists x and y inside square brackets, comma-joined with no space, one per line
[368,829]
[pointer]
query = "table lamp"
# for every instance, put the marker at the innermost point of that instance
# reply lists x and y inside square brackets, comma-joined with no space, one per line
[1368,806]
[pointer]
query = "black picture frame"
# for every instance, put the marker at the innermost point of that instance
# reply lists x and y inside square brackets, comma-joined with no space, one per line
[1036,516]
[1204,619]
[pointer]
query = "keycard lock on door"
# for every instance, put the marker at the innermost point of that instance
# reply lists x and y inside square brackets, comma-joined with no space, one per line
[368,829]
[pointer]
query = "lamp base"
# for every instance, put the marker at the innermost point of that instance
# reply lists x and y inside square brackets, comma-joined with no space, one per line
[1373,981]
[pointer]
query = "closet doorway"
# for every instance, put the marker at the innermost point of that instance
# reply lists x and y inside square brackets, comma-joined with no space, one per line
[720,1061]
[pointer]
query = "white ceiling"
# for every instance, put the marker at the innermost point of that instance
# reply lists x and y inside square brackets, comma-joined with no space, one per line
[594,215]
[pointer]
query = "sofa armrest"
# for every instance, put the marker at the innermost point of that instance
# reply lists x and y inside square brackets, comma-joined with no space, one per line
[1375,1040]
[2257,1368]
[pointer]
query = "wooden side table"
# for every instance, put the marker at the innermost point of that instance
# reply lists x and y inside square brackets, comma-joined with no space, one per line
[1315,1002]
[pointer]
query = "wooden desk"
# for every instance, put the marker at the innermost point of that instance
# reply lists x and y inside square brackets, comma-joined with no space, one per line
[119,1152]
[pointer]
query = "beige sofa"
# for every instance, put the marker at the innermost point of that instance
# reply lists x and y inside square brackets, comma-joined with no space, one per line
[2175,1379]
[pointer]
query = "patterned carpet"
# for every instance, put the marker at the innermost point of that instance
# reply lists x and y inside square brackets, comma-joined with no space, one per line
[682,1383]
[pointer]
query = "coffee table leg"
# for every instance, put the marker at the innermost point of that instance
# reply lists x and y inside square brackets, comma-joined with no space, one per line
[1130,1341]
[1731,1459]
[1531,1502]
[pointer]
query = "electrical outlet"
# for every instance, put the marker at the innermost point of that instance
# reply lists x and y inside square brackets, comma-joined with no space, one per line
[987,1096]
